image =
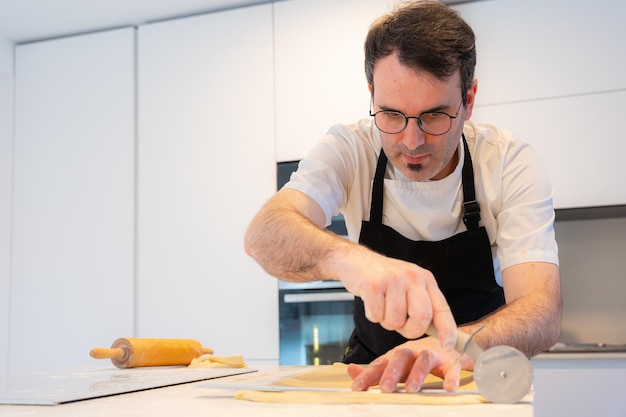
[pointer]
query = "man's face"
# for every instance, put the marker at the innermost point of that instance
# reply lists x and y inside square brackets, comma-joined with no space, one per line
[419,155]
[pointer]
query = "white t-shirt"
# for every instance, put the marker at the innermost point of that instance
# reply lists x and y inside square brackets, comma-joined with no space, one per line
[511,182]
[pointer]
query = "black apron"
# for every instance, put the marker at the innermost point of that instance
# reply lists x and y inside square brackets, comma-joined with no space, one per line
[462,265]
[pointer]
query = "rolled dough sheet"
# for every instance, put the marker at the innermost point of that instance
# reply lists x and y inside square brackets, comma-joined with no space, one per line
[357,397]
[336,376]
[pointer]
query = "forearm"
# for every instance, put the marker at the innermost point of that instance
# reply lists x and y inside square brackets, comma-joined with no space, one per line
[531,322]
[289,245]
[511,326]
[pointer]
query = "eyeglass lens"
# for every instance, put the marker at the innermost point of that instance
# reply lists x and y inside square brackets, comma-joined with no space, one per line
[435,123]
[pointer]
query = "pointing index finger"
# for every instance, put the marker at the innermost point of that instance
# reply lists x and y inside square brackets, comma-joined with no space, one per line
[443,320]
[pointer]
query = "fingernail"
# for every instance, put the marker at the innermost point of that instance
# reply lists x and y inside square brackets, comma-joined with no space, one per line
[455,385]
[451,386]
[412,387]
[387,386]
[357,386]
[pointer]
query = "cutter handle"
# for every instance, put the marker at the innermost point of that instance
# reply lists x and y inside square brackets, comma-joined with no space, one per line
[462,342]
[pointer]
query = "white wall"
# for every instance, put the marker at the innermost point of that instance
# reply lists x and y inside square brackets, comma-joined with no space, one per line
[6,158]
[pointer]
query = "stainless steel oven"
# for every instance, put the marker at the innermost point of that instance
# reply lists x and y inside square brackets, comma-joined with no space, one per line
[315,318]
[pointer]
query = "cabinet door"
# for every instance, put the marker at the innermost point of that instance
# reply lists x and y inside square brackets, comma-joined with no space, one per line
[206,165]
[538,49]
[320,76]
[6,173]
[563,130]
[72,259]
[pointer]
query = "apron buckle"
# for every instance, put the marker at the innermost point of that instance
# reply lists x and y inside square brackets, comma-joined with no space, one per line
[471,215]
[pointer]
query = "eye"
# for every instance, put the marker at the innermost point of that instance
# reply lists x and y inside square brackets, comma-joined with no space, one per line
[433,117]
[393,116]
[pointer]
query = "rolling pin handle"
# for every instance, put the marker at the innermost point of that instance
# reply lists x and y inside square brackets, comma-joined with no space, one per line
[106,353]
[206,350]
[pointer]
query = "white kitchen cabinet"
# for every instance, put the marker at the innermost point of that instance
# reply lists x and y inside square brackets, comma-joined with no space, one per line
[6,170]
[543,49]
[206,164]
[73,205]
[320,76]
[578,139]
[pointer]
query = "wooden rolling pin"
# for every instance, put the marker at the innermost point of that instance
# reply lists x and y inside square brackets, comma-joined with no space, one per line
[136,352]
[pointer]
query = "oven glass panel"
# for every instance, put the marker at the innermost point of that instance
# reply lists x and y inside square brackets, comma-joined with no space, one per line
[315,326]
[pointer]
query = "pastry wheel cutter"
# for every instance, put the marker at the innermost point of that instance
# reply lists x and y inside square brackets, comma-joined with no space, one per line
[502,374]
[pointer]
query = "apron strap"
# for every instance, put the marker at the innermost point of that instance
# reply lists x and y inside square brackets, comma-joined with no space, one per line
[376,207]
[471,208]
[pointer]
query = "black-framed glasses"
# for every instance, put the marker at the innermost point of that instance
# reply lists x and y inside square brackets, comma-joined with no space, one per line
[433,122]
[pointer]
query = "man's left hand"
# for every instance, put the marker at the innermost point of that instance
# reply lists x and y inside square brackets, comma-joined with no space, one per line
[411,363]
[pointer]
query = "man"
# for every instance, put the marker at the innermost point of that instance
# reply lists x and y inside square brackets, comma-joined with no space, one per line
[454,220]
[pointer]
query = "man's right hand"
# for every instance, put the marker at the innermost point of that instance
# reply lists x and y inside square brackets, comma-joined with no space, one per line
[287,238]
[398,295]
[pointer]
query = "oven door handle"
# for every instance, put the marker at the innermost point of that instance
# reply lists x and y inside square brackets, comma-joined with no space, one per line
[318,297]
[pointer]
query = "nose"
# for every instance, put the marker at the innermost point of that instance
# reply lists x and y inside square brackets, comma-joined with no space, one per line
[413,136]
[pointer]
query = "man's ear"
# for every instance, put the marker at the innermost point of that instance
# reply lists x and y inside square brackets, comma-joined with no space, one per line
[471,99]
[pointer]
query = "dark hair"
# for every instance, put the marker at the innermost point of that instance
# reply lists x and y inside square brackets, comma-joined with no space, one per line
[428,36]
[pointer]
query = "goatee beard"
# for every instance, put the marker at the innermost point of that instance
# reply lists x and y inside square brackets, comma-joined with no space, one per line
[414,167]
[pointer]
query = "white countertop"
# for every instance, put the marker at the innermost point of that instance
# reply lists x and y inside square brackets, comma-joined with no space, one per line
[195,399]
